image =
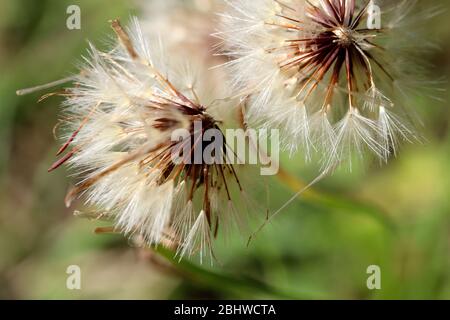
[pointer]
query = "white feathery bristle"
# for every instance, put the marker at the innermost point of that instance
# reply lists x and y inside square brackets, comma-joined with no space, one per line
[354,133]
[392,130]
[184,220]
[198,239]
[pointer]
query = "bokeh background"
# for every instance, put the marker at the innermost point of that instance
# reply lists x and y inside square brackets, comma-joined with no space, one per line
[396,216]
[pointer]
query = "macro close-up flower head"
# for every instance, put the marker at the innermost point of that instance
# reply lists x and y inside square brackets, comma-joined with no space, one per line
[333,75]
[119,123]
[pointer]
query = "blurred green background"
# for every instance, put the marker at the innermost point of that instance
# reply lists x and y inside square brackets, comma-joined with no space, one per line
[396,216]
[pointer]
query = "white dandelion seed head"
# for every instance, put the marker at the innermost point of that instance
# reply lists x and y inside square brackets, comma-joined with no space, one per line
[324,72]
[118,120]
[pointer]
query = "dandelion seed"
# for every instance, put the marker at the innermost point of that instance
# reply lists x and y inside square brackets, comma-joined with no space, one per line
[198,238]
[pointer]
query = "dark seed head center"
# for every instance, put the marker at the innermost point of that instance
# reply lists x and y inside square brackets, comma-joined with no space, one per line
[344,36]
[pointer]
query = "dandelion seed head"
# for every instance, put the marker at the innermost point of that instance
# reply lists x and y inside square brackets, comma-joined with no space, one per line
[324,72]
[118,122]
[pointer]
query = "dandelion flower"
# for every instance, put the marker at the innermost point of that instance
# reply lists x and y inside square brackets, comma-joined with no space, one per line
[327,73]
[120,117]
